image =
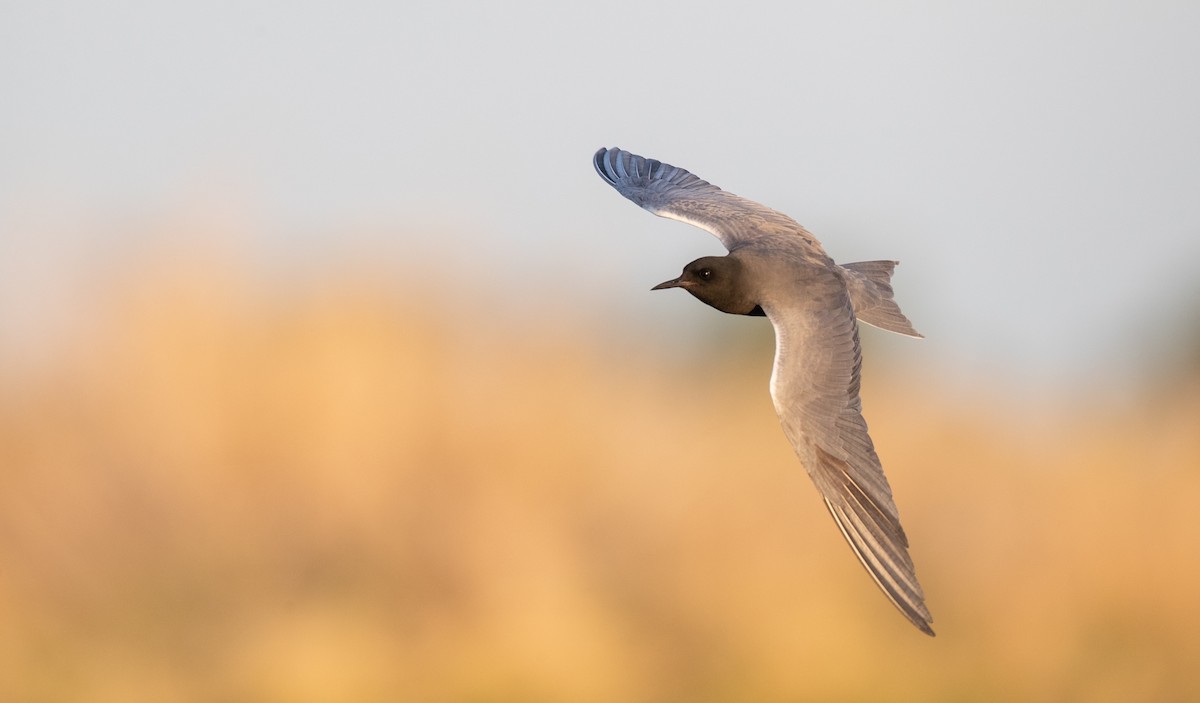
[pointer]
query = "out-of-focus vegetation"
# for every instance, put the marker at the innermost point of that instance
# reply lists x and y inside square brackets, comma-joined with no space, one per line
[224,493]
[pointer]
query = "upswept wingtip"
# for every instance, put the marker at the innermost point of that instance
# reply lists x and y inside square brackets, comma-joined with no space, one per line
[598,162]
[616,165]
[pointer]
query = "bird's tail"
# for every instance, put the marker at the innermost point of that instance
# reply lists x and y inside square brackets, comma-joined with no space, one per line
[870,285]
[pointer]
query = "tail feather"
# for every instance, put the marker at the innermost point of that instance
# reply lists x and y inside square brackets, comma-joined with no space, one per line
[870,284]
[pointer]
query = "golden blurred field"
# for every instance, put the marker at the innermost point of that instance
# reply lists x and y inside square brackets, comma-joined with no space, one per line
[220,492]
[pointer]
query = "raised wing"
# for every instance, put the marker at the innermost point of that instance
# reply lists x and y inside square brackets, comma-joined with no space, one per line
[815,386]
[671,192]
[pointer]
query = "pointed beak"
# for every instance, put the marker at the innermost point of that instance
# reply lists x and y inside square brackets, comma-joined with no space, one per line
[673,283]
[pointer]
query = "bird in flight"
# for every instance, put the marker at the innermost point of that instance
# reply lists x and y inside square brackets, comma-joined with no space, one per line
[777,269]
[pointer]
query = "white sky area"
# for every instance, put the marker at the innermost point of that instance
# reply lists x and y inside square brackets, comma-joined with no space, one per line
[1035,166]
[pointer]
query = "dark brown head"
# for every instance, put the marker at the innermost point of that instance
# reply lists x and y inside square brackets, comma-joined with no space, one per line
[716,281]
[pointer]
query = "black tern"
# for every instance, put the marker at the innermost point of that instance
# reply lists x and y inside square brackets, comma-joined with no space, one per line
[777,269]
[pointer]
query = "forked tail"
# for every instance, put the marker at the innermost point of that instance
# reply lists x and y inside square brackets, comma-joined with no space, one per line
[870,285]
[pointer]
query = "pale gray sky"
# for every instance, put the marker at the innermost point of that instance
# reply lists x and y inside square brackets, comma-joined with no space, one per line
[1035,166]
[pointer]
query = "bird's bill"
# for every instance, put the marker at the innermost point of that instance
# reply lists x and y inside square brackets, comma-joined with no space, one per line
[673,283]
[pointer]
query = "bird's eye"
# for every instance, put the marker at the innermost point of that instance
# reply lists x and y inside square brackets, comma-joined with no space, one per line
[705,274]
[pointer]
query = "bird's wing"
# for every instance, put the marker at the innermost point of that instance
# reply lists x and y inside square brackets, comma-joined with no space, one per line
[668,191]
[815,387]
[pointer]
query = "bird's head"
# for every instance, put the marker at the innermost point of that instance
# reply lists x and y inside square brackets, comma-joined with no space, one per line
[715,281]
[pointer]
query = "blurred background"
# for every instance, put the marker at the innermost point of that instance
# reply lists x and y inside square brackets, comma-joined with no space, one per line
[329,369]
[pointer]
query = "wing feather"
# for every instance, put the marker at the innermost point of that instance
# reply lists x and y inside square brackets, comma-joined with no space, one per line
[674,193]
[815,387]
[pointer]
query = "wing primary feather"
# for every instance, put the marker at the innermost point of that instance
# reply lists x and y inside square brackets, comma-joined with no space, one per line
[913,609]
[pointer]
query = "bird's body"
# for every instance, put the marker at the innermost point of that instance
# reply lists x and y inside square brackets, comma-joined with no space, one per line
[778,269]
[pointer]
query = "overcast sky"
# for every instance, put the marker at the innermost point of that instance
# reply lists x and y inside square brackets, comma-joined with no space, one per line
[1035,166]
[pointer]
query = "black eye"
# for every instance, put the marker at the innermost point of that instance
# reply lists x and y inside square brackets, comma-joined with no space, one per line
[704,274]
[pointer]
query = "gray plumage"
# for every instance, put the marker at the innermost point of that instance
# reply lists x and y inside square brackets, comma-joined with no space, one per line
[778,269]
